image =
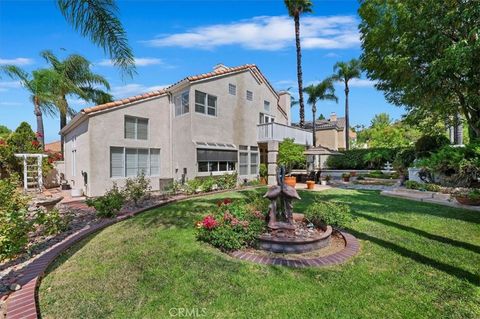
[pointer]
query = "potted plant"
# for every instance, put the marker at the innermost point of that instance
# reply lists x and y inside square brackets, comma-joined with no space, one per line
[263,171]
[310,184]
[469,197]
[353,173]
[290,155]
[346,177]
[325,180]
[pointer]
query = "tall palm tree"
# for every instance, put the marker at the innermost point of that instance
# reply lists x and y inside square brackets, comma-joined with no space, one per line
[344,72]
[75,78]
[295,9]
[40,85]
[97,20]
[322,91]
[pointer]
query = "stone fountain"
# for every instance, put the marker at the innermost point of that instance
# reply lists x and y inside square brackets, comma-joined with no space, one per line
[287,232]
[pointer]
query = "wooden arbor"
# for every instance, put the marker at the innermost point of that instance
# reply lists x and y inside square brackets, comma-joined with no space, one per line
[32,172]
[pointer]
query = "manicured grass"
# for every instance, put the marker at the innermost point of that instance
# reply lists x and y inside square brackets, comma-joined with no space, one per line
[417,261]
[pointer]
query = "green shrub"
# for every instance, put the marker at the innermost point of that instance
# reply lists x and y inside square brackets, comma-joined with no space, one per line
[403,160]
[233,225]
[428,144]
[291,155]
[263,170]
[227,181]
[14,222]
[372,158]
[136,189]
[430,187]
[208,184]
[109,204]
[192,186]
[52,222]
[322,213]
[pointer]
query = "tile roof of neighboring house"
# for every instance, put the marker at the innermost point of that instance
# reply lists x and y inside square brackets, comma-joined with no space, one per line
[326,124]
[54,147]
[218,72]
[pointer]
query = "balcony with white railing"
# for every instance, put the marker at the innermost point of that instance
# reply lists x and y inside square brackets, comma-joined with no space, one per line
[278,132]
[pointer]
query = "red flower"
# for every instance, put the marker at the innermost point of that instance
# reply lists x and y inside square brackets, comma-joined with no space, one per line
[38,134]
[227,216]
[2,142]
[209,222]
[35,143]
[227,201]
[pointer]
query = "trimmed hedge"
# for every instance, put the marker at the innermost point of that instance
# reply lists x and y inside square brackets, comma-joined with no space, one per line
[370,158]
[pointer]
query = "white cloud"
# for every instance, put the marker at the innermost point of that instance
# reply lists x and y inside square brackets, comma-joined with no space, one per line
[10,103]
[268,33]
[133,89]
[16,61]
[361,83]
[138,62]
[332,55]
[6,85]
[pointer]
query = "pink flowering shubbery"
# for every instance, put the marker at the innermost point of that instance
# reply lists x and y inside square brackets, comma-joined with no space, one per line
[231,225]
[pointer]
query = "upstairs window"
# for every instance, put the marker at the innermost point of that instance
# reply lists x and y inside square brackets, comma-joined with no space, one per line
[266,106]
[249,95]
[181,103]
[136,128]
[205,103]
[232,89]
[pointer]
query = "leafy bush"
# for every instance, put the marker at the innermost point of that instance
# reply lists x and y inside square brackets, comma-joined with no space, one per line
[290,154]
[227,181]
[454,166]
[263,170]
[232,226]
[323,213]
[472,194]
[208,184]
[192,186]
[403,160]
[422,186]
[109,204]
[136,189]
[428,144]
[372,158]
[380,174]
[52,222]
[14,222]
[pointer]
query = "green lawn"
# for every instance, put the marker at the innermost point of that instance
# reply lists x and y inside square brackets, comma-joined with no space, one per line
[417,261]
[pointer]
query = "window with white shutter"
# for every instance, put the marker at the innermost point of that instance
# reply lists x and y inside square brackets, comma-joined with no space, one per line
[131,162]
[136,128]
[116,162]
[142,162]
[154,161]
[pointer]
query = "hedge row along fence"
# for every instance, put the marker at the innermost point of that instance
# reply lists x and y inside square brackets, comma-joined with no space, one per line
[371,158]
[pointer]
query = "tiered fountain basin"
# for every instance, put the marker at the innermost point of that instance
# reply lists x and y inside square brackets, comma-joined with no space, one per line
[298,243]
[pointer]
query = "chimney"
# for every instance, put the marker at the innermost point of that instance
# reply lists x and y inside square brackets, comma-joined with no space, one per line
[220,67]
[333,117]
[285,102]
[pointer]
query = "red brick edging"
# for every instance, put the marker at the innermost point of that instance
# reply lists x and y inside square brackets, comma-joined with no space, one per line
[352,247]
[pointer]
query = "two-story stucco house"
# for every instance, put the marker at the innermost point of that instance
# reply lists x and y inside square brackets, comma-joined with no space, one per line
[209,124]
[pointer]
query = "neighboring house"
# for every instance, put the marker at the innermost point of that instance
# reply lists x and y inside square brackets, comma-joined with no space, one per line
[330,132]
[53,147]
[220,122]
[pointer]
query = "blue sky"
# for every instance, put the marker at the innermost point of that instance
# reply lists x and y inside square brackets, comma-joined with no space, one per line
[173,39]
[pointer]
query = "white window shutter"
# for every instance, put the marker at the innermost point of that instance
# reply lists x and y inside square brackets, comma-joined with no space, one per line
[116,162]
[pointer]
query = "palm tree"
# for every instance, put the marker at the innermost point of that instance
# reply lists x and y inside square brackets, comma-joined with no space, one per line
[97,20]
[39,84]
[75,78]
[319,92]
[344,72]
[295,9]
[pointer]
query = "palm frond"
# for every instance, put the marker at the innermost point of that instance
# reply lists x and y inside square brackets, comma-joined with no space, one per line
[97,20]
[16,73]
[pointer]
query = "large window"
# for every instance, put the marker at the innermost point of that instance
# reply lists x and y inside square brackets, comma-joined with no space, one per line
[205,103]
[243,160]
[130,162]
[253,160]
[210,160]
[248,160]
[181,103]
[266,106]
[136,128]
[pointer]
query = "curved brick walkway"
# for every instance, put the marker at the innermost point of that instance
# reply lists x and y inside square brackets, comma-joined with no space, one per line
[352,247]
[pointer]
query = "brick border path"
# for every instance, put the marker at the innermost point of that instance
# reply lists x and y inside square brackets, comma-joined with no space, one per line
[352,247]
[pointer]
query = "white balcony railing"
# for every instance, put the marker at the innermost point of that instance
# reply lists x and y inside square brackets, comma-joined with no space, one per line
[278,132]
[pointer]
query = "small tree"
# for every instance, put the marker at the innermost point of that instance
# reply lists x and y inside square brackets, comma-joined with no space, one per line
[290,154]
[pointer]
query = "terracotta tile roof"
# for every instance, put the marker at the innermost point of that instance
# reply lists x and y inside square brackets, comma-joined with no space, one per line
[223,71]
[54,147]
